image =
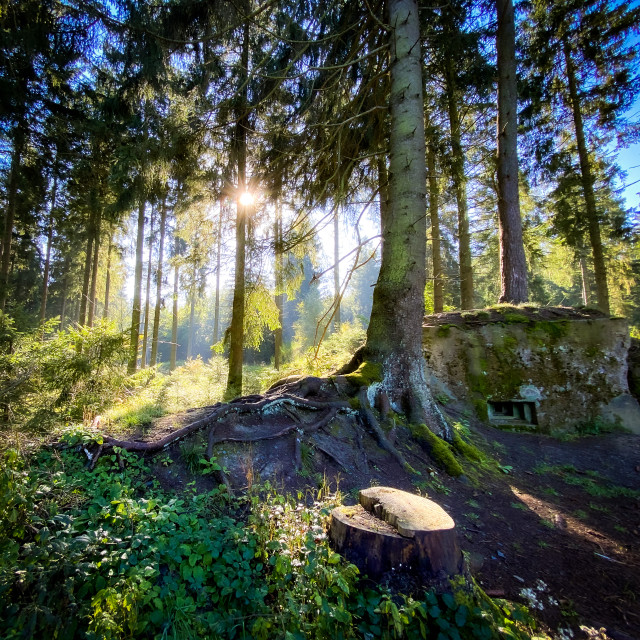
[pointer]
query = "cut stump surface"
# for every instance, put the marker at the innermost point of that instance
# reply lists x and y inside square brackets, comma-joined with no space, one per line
[392,530]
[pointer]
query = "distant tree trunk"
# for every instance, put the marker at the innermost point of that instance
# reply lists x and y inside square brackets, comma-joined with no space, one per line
[10,212]
[394,336]
[459,187]
[279,294]
[147,302]
[216,311]
[593,223]
[584,273]
[107,286]
[236,333]
[47,260]
[86,280]
[63,294]
[336,267]
[192,314]
[137,290]
[174,309]
[513,263]
[159,276]
[438,290]
[94,271]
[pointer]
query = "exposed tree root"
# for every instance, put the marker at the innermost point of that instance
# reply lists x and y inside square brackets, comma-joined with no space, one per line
[372,422]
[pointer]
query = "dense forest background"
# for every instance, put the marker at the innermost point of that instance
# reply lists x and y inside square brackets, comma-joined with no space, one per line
[156,159]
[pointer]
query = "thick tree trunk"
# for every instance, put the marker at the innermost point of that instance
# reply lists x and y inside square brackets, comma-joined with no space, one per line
[236,333]
[137,293]
[460,189]
[593,223]
[147,302]
[159,275]
[336,268]
[279,293]
[107,284]
[438,289]
[174,310]
[47,260]
[513,263]
[92,302]
[10,214]
[394,336]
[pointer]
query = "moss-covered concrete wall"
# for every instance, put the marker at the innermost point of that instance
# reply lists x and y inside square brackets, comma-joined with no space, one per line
[573,370]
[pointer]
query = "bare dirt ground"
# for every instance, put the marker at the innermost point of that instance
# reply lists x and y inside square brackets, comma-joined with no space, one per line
[555,526]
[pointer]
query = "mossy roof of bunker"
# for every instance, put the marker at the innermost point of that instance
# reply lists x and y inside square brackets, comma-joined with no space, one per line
[508,314]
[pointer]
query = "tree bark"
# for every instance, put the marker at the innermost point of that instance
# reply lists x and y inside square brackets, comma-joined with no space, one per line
[236,333]
[336,268]
[460,189]
[174,312]
[383,187]
[92,302]
[107,285]
[394,336]
[279,293]
[159,275]
[10,212]
[86,280]
[63,294]
[216,311]
[137,293]
[593,223]
[47,261]
[513,263]
[147,302]
[438,289]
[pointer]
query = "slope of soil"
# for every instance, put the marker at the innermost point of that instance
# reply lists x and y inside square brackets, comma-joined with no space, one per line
[554,525]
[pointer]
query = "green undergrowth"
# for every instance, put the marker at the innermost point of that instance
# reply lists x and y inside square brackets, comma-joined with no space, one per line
[590,481]
[108,554]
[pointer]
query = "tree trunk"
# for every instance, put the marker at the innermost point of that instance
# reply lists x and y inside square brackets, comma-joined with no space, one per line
[174,311]
[394,336]
[336,268]
[236,333]
[47,261]
[192,313]
[513,263]
[86,280]
[63,293]
[279,292]
[460,189]
[216,311]
[107,285]
[438,290]
[383,188]
[159,275]
[147,302]
[137,293]
[593,224]
[10,213]
[94,271]
[586,280]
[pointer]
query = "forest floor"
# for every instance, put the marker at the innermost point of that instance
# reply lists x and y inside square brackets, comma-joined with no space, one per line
[552,524]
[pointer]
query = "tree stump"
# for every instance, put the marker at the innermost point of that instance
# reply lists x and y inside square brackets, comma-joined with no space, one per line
[392,530]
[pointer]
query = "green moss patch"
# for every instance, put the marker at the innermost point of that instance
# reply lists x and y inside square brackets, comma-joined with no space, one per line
[469,451]
[439,450]
[367,374]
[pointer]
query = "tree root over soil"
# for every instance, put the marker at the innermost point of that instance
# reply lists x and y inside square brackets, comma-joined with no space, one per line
[295,406]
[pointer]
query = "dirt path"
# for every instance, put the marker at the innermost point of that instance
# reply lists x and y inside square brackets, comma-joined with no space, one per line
[566,514]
